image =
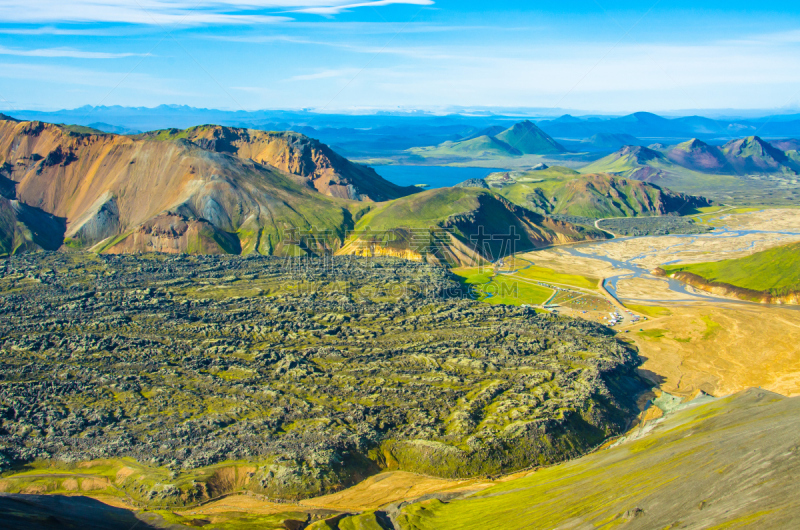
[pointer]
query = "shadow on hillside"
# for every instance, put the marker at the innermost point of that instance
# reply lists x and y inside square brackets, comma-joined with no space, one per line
[34,512]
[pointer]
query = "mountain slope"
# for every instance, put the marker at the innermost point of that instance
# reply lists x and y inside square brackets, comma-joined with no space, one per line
[635,162]
[771,276]
[564,192]
[458,226]
[699,156]
[108,187]
[482,146]
[324,169]
[729,463]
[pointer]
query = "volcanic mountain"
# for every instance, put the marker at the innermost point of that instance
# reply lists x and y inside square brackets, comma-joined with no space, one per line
[530,140]
[524,138]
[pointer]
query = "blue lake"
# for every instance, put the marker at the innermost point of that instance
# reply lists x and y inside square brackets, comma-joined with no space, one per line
[433,176]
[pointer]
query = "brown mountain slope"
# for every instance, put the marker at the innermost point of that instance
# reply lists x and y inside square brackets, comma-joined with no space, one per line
[325,170]
[107,187]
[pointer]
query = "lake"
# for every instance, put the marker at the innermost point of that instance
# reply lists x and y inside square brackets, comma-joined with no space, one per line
[433,176]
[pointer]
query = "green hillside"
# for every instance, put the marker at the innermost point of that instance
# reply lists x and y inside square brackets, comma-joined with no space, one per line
[445,225]
[775,271]
[482,146]
[524,138]
[562,191]
[695,470]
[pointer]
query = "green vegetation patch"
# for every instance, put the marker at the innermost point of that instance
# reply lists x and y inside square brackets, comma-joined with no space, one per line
[775,271]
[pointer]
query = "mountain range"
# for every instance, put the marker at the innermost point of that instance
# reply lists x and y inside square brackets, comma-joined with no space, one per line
[214,189]
[744,156]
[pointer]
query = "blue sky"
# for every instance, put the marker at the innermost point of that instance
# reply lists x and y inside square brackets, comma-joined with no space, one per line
[334,55]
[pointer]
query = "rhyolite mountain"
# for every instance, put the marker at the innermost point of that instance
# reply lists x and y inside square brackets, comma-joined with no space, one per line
[325,170]
[205,190]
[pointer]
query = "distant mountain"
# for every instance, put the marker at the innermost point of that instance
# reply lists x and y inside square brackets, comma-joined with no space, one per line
[491,132]
[637,162]
[754,155]
[115,129]
[524,138]
[564,192]
[324,169]
[609,141]
[699,156]
[786,145]
[750,155]
[473,183]
[530,140]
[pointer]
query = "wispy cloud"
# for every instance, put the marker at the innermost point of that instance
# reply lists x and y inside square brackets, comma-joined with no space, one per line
[64,52]
[324,74]
[50,30]
[177,12]
[336,9]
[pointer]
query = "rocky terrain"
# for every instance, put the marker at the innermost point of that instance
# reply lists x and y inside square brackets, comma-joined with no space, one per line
[310,373]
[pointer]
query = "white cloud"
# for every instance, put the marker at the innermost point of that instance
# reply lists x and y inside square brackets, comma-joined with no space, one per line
[176,12]
[336,9]
[324,74]
[64,52]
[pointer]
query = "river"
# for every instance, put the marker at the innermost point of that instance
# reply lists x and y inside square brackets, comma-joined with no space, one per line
[632,270]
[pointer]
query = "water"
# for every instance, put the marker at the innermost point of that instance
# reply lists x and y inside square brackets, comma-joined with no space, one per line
[433,176]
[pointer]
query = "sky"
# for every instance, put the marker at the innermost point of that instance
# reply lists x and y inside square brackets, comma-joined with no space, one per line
[359,55]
